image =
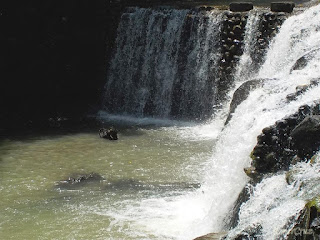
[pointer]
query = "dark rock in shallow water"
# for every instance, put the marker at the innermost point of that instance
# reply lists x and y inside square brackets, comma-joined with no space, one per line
[111,133]
[79,180]
[282,7]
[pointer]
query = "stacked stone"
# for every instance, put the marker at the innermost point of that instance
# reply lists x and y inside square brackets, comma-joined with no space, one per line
[232,40]
[269,27]
[232,34]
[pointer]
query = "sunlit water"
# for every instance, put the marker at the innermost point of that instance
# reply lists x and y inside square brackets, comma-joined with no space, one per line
[144,165]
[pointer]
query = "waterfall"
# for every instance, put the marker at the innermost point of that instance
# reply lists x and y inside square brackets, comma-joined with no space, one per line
[247,66]
[274,205]
[165,64]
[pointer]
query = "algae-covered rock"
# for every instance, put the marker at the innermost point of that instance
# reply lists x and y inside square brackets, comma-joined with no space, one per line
[308,223]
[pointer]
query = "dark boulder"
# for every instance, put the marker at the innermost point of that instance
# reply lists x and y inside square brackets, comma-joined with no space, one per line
[241,94]
[282,7]
[110,133]
[241,7]
[232,219]
[306,136]
[292,139]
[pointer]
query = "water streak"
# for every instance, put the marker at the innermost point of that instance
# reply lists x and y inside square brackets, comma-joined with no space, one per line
[164,65]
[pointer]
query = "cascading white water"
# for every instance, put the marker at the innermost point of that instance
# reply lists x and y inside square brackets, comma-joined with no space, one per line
[193,214]
[246,67]
[274,203]
[164,65]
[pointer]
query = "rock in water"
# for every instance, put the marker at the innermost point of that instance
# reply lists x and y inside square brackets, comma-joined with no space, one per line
[111,133]
[79,180]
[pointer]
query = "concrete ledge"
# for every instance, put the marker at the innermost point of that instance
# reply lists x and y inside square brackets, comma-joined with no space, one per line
[241,7]
[282,7]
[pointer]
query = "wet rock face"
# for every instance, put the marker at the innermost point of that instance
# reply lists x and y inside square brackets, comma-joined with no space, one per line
[232,39]
[306,136]
[302,89]
[269,27]
[232,35]
[305,59]
[241,94]
[292,139]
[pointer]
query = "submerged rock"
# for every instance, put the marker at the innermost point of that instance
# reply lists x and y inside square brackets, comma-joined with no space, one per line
[303,61]
[302,89]
[79,180]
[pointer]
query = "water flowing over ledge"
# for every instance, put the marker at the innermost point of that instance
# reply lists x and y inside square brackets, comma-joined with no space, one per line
[170,179]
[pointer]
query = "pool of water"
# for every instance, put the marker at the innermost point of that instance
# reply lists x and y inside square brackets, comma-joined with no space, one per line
[140,175]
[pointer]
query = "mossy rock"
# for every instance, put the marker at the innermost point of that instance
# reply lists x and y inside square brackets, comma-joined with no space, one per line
[315,202]
[308,223]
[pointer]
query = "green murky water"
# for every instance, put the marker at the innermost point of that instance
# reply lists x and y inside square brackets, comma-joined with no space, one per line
[143,164]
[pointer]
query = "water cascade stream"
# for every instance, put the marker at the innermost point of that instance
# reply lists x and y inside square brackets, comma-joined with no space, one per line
[165,64]
[168,176]
[206,209]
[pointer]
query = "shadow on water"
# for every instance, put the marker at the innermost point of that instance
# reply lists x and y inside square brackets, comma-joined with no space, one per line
[34,133]
[55,128]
